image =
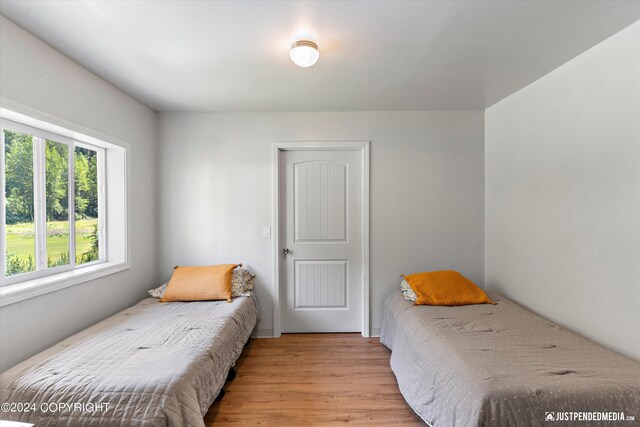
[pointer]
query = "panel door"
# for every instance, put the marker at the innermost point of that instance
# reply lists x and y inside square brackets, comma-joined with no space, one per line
[322,238]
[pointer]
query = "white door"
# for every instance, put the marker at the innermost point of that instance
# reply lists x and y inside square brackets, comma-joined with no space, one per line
[322,241]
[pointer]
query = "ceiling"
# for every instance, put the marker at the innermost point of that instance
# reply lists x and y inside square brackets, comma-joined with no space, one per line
[374,55]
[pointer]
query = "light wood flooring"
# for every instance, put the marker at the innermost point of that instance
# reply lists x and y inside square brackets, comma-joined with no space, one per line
[313,379]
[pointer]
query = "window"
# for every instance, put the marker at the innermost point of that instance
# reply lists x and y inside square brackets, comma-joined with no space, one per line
[64,215]
[53,209]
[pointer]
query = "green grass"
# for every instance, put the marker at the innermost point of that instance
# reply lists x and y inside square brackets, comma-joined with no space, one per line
[21,240]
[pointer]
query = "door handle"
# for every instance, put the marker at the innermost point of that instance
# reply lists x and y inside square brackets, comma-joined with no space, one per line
[285,251]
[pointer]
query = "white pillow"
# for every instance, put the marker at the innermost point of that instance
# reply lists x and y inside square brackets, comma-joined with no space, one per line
[407,292]
[159,291]
[242,283]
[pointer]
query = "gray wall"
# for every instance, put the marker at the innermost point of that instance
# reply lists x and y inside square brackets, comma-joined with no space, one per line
[427,198]
[36,76]
[563,194]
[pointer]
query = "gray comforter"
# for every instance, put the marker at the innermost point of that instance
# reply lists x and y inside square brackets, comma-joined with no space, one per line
[501,365]
[154,364]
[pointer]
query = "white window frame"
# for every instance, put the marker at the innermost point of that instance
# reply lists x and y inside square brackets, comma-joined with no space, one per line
[113,184]
[39,138]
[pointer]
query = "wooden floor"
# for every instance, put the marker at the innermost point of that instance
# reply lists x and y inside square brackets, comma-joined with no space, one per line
[313,379]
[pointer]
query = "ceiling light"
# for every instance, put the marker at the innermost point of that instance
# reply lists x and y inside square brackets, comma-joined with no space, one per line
[304,53]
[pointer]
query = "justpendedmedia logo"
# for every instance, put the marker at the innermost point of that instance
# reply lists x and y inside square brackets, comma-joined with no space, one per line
[606,416]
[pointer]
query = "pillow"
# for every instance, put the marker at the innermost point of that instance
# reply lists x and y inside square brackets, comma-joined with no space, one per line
[200,283]
[446,287]
[159,291]
[242,283]
[406,290]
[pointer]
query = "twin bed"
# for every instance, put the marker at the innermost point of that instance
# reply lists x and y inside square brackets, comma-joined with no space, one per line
[501,365]
[153,364]
[477,365]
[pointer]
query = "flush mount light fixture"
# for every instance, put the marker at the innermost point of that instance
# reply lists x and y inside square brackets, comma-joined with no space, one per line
[304,53]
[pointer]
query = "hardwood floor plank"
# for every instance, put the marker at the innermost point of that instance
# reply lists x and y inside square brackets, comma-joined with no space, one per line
[313,379]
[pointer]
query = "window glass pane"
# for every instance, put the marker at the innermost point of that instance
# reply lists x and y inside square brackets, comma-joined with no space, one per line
[20,227]
[57,203]
[86,203]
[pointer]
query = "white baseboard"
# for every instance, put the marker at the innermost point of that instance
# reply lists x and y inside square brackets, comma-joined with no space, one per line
[262,333]
[268,333]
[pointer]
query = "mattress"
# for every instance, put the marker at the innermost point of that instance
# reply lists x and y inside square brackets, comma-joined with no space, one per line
[501,365]
[153,364]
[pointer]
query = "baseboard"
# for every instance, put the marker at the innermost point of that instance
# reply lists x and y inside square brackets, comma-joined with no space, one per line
[262,333]
[268,333]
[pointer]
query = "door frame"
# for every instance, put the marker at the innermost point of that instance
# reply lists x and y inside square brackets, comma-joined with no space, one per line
[278,148]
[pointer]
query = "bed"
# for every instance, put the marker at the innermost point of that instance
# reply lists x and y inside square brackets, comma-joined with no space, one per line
[153,364]
[501,365]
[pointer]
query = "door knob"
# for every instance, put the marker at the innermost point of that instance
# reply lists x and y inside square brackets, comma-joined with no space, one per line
[285,251]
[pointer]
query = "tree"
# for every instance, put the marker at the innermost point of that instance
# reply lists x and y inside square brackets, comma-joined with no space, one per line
[19,177]
[57,181]
[81,182]
[19,180]
[92,208]
[86,183]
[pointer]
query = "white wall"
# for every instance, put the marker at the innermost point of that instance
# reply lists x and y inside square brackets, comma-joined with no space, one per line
[563,194]
[36,76]
[427,198]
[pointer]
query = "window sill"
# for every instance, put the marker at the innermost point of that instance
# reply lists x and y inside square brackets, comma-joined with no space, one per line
[11,294]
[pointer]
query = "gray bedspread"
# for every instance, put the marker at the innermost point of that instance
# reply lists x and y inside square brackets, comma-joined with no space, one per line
[154,364]
[501,365]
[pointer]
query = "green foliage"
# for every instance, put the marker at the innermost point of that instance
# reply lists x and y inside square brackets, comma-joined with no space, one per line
[93,253]
[57,181]
[19,177]
[62,259]
[86,183]
[17,264]
[21,245]
[19,180]
[19,196]
[82,185]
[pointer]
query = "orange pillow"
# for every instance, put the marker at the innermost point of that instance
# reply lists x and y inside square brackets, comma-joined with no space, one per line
[200,283]
[446,287]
